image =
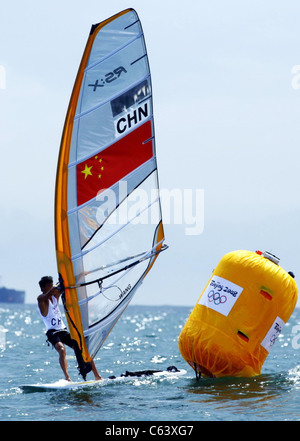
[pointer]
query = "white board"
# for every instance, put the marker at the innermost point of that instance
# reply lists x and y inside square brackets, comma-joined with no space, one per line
[70,385]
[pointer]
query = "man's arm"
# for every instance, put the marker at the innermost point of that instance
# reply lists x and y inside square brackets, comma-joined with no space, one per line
[43,299]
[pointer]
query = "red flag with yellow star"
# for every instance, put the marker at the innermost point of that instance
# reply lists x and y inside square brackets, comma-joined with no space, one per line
[111,165]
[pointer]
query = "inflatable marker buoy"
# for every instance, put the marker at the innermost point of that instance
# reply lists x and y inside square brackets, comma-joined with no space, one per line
[239,315]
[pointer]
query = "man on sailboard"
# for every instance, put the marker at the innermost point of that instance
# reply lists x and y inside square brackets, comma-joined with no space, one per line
[56,331]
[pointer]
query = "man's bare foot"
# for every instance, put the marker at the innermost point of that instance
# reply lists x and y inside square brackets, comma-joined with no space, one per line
[95,372]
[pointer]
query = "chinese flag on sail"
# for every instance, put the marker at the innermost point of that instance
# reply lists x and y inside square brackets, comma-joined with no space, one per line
[109,166]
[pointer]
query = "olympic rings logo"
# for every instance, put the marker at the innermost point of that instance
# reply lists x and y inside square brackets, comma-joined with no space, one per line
[216,297]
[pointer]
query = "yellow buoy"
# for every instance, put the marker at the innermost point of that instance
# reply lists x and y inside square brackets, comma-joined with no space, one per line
[239,315]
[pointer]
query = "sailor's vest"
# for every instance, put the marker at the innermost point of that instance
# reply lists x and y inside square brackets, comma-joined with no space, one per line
[53,319]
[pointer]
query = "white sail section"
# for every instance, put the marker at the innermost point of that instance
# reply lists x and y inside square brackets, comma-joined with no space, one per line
[107,199]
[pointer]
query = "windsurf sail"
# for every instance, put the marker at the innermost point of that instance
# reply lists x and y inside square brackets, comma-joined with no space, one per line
[108,222]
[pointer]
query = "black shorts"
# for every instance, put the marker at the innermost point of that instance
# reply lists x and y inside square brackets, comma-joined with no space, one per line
[62,336]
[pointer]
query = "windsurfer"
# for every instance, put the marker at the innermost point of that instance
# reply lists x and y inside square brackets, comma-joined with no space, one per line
[56,332]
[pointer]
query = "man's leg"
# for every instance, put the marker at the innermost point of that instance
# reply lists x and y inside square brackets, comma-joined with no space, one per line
[62,359]
[95,372]
[83,367]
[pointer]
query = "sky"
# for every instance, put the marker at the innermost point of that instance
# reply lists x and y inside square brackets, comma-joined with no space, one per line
[226,91]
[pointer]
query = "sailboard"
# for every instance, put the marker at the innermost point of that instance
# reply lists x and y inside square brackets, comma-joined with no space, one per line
[128,377]
[108,221]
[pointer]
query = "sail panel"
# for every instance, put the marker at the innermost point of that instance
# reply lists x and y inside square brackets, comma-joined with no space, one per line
[107,167]
[108,216]
[117,32]
[113,74]
[102,125]
[91,215]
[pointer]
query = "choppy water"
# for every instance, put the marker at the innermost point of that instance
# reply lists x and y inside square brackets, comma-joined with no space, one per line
[144,338]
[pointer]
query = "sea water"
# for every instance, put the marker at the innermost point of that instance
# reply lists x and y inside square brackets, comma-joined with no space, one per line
[144,338]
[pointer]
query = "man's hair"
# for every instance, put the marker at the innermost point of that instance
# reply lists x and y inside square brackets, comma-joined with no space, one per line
[44,281]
